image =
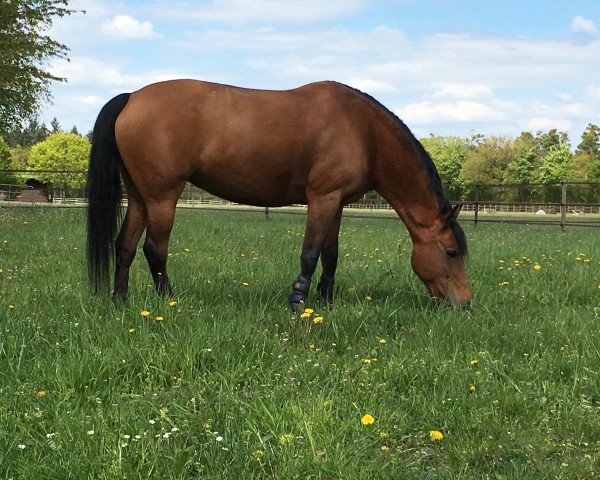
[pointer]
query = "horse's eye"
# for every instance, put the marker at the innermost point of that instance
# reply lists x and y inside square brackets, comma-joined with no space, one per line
[451,253]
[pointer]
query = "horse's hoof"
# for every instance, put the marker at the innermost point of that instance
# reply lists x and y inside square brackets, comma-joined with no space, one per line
[296,306]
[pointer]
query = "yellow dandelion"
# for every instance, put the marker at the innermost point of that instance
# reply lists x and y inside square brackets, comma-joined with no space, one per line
[537,266]
[172,303]
[472,389]
[369,298]
[382,341]
[385,448]
[309,311]
[367,419]
[474,362]
[328,403]
[383,434]
[286,438]
[41,393]
[159,318]
[436,435]
[311,346]
[130,330]
[503,284]
[318,320]
[144,313]
[245,284]
[258,454]
[369,361]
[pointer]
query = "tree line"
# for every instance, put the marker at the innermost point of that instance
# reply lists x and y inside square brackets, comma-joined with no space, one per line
[544,158]
[541,158]
[37,147]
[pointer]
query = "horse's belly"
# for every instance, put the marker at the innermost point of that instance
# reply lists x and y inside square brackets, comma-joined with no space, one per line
[261,186]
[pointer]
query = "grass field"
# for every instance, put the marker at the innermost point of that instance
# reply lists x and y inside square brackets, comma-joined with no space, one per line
[226,384]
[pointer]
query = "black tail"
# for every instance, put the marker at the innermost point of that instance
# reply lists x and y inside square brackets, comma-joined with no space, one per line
[104,193]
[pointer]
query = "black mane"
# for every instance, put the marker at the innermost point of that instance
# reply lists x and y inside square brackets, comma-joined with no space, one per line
[435,183]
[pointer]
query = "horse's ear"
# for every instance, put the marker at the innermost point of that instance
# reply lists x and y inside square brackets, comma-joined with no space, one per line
[453,214]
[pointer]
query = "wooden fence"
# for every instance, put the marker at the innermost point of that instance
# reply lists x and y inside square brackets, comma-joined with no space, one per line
[563,204]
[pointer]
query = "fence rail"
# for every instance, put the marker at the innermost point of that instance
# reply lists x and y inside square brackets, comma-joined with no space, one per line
[563,204]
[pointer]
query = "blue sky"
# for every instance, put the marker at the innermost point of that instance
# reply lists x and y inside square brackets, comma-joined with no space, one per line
[445,67]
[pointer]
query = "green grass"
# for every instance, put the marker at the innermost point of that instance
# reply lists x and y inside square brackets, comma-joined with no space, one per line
[228,385]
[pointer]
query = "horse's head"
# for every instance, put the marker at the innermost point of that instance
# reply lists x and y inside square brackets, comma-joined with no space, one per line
[438,259]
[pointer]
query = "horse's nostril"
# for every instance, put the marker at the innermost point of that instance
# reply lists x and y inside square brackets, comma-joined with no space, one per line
[467,306]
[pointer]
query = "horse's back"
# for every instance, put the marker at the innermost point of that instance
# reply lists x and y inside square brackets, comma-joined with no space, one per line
[252,146]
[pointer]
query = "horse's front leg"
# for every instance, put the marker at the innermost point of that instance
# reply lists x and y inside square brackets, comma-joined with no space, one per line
[322,214]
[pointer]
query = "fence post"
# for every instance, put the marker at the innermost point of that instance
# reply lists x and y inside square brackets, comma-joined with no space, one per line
[563,204]
[266,213]
[476,212]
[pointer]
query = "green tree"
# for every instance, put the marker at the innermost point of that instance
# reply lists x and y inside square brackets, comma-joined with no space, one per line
[20,157]
[5,164]
[55,126]
[487,163]
[557,165]
[32,133]
[521,168]
[590,141]
[448,154]
[587,154]
[24,50]
[61,151]
[594,171]
[550,140]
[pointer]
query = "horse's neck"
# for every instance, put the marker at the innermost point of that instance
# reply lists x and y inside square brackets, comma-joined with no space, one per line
[404,183]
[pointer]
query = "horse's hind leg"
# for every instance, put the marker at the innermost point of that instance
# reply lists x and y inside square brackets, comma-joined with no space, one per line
[160,224]
[128,238]
[329,259]
[322,213]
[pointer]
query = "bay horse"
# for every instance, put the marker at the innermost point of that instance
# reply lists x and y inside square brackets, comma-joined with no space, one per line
[324,144]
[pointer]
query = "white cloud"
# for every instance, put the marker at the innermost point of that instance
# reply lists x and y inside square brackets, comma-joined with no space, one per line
[546,123]
[429,112]
[371,85]
[581,24]
[80,71]
[463,90]
[127,27]
[241,11]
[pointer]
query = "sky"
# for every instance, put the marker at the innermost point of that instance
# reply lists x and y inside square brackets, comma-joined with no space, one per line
[445,67]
